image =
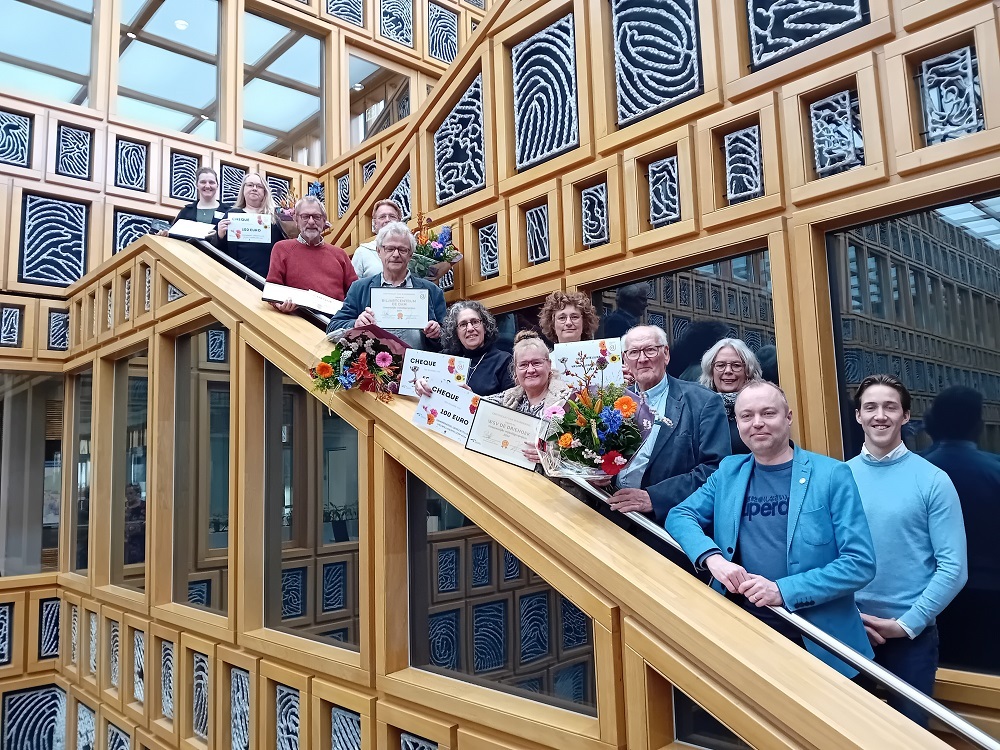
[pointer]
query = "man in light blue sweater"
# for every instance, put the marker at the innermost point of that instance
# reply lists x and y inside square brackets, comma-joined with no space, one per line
[916,525]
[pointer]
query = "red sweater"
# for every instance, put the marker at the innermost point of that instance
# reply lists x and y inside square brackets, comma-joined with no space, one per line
[324,268]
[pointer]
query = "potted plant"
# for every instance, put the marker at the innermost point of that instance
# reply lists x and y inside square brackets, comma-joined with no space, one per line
[338,516]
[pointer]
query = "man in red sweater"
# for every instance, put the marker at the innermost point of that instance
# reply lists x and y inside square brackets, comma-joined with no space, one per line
[307,262]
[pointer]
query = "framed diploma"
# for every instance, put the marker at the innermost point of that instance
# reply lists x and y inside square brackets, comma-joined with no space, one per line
[396,307]
[503,433]
[434,367]
[249,228]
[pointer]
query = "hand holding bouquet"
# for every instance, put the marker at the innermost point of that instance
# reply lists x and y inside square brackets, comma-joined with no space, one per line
[366,358]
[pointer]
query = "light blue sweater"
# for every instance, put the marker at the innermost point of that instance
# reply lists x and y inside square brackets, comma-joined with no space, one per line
[916,524]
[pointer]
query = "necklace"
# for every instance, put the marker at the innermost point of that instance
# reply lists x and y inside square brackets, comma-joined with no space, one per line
[472,368]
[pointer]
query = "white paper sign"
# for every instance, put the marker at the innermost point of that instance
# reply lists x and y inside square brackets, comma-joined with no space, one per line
[571,361]
[301,297]
[437,368]
[503,433]
[449,410]
[249,228]
[396,307]
[193,229]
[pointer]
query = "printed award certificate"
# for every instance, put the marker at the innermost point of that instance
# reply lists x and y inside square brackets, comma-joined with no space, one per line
[572,362]
[397,307]
[448,410]
[249,228]
[191,229]
[503,433]
[436,368]
[301,297]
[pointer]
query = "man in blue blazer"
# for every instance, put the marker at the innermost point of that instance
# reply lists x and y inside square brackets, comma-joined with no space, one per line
[788,529]
[396,245]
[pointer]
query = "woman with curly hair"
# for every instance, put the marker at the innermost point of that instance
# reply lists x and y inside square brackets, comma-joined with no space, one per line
[469,330]
[568,317]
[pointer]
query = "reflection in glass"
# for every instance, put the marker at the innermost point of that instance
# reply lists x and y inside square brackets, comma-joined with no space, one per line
[168,65]
[282,91]
[47,48]
[380,97]
[696,726]
[478,614]
[31,417]
[311,481]
[942,345]
[83,389]
[201,469]
[130,439]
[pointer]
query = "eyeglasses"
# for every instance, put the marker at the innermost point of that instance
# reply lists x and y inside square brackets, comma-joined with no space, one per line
[647,351]
[572,317]
[536,364]
[385,217]
[721,367]
[311,217]
[474,323]
[391,250]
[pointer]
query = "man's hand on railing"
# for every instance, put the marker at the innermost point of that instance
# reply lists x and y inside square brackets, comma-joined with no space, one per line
[729,574]
[761,591]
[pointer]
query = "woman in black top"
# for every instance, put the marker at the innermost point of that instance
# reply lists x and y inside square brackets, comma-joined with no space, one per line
[207,208]
[470,331]
[254,198]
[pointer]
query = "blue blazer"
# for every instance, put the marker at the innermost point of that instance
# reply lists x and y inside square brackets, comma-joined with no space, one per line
[830,553]
[359,296]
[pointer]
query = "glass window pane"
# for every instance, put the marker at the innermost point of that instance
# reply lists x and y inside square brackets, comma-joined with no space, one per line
[130,469]
[697,727]
[379,97]
[83,389]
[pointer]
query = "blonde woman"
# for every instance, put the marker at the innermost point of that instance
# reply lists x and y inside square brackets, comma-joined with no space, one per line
[254,198]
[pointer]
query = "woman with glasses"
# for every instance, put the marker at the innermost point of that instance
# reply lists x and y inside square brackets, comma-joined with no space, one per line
[254,198]
[568,318]
[726,368]
[470,331]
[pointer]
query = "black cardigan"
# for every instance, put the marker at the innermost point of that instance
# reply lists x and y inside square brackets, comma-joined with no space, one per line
[190,212]
[489,370]
[254,255]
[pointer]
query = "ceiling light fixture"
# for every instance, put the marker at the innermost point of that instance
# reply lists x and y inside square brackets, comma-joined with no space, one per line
[358,87]
[204,117]
[181,24]
[130,35]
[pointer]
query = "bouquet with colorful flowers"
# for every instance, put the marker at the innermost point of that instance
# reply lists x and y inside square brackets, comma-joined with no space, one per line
[435,254]
[594,433]
[366,358]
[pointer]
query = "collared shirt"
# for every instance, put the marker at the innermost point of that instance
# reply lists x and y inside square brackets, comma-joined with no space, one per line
[407,282]
[898,452]
[310,244]
[656,397]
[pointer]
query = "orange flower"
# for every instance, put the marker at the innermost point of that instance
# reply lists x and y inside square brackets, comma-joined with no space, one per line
[324,369]
[585,398]
[626,406]
[565,440]
[580,420]
[421,239]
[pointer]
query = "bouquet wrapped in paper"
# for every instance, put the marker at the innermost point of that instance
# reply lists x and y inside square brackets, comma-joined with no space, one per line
[367,358]
[594,433]
[435,254]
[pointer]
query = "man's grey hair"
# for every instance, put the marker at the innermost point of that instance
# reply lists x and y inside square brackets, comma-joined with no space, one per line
[659,333]
[751,365]
[395,229]
[310,200]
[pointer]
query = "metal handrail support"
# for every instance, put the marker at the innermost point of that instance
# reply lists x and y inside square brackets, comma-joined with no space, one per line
[877,672]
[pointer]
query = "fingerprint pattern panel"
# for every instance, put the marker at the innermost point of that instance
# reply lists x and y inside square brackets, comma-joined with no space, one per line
[444,639]
[199,696]
[183,176]
[536,222]
[343,194]
[744,165]
[779,29]
[570,683]
[345,729]
[447,574]
[167,679]
[664,192]
[459,147]
[489,636]
[286,717]
[118,739]
[34,719]
[131,164]
[533,613]
[239,708]
[442,33]
[217,345]
[280,187]
[403,105]
[86,727]
[53,240]
[230,179]
[489,251]
[368,170]
[127,302]
[334,586]
[10,325]
[74,152]
[48,628]
[74,633]
[481,4]
[92,651]
[293,593]
[951,96]
[129,227]
[351,11]
[409,741]
[657,55]
[481,559]
[836,133]
[594,215]
[575,625]
[115,658]
[396,21]
[173,293]
[138,666]
[546,120]
[402,196]
[15,139]
[199,592]
[447,281]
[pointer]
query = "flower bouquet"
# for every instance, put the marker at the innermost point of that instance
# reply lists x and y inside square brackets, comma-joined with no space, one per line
[366,358]
[594,433]
[435,254]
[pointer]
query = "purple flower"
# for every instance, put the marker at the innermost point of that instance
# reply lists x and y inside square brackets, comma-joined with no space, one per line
[445,237]
[436,245]
[383,359]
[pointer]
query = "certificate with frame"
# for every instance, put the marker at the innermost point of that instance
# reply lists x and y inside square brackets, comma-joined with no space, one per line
[503,433]
[399,307]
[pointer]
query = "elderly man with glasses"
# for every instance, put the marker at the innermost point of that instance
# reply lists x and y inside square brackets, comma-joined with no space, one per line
[690,435]
[307,262]
[396,245]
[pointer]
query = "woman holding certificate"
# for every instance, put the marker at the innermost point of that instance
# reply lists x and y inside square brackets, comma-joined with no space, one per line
[206,209]
[568,318]
[251,226]
[470,331]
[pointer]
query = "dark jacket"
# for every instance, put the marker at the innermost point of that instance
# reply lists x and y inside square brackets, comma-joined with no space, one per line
[736,443]
[490,370]
[190,212]
[254,255]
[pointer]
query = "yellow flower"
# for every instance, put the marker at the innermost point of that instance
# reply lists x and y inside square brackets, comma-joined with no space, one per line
[565,440]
